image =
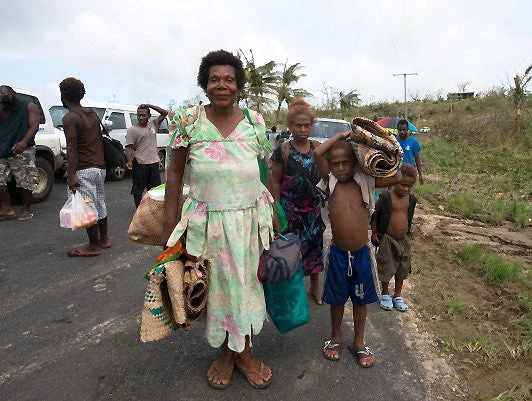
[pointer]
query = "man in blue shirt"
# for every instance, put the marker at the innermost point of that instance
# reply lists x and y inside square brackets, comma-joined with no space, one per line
[411,148]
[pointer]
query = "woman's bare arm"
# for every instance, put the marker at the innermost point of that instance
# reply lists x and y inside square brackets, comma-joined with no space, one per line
[174,185]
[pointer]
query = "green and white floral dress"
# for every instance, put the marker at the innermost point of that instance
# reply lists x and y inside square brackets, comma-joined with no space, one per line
[228,219]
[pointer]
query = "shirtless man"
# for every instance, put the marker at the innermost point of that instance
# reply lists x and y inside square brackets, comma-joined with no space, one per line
[390,230]
[349,274]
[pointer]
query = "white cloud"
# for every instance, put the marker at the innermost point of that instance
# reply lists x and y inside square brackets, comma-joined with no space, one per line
[151,50]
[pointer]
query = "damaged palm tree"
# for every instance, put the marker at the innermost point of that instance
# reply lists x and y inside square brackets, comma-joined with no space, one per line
[519,96]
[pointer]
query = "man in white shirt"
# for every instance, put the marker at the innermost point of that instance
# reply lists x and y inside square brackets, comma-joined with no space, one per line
[141,151]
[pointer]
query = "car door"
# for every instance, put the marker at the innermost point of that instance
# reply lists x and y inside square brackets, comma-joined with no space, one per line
[115,123]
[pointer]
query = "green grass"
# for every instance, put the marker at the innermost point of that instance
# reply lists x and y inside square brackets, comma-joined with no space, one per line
[519,393]
[493,183]
[498,271]
[457,307]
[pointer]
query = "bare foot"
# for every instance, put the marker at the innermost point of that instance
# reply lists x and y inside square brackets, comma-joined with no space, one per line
[25,215]
[256,372]
[6,213]
[221,370]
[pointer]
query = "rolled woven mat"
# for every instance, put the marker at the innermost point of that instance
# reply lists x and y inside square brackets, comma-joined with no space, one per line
[175,270]
[196,287]
[377,150]
[156,322]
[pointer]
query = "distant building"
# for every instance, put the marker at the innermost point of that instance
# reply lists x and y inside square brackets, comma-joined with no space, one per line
[460,95]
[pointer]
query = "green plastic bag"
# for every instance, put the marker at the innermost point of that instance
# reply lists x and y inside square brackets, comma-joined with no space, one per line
[286,302]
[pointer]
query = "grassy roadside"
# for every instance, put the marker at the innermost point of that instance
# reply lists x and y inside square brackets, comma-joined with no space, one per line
[477,300]
[492,183]
[479,305]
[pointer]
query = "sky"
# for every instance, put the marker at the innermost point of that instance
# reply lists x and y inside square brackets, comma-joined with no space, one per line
[136,52]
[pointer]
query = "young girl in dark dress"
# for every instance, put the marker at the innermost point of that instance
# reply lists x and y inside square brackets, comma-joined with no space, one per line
[295,175]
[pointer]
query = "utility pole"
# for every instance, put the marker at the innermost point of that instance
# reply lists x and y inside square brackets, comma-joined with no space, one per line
[404,74]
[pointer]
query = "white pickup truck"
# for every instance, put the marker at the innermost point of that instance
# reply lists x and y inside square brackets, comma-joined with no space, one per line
[48,157]
[116,118]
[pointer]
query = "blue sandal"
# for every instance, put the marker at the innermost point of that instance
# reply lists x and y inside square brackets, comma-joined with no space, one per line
[399,304]
[386,302]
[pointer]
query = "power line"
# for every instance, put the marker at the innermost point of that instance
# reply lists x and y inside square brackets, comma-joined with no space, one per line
[388,30]
[409,35]
[363,24]
[404,74]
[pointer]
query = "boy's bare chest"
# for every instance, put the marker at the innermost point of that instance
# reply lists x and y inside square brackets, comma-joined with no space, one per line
[346,201]
[400,204]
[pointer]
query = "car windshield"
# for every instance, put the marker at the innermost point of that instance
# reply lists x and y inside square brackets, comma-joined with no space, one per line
[58,112]
[327,129]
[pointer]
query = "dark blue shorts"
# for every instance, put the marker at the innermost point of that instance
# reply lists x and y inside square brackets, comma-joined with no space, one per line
[343,281]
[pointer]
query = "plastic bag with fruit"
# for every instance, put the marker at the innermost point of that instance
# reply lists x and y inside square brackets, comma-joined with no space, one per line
[77,213]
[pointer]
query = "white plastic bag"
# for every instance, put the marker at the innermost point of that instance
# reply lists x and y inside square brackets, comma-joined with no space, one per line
[76,213]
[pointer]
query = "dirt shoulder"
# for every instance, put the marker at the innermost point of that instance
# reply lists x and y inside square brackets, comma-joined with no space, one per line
[480,330]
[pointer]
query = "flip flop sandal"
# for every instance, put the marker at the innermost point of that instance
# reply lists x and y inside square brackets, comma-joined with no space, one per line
[330,345]
[247,374]
[107,245]
[386,302]
[220,374]
[76,253]
[399,304]
[361,354]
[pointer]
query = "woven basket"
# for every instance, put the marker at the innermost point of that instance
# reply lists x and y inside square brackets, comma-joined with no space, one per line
[147,224]
[156,320]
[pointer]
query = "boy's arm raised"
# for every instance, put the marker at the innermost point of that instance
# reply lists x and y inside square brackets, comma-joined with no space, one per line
[321,151]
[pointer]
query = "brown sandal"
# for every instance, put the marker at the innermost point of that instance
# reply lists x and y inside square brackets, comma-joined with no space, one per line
[248,374]
[221,375]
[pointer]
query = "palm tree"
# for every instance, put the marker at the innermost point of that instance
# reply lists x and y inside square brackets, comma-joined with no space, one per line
[348,101]
[519,95]
[260,82]
[285,92]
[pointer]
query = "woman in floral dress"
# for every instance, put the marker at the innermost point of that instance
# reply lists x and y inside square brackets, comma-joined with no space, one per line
[294,178]
[227,215]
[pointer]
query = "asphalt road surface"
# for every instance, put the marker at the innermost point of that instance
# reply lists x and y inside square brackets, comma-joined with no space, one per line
[70,329]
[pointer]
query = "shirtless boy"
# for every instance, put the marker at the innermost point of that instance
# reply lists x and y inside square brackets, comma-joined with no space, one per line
[390,229]
[349,274]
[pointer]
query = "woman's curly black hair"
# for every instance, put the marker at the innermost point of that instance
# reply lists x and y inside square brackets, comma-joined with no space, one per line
[220,57]
[72,89]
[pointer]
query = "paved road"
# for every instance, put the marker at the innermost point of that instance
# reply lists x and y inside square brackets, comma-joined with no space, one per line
[70,329]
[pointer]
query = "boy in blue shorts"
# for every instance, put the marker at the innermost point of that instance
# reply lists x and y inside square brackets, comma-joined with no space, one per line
[350,273]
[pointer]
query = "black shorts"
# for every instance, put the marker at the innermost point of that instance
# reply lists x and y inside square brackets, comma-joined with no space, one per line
[144,176]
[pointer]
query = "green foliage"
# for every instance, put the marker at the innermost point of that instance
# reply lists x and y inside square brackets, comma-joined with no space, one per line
[428,188]
[457,306]
[493,183]
[466,203]
[498,271]
[519,393]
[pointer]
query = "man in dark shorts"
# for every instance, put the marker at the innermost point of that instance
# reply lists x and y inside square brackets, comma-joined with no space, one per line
[19,122]
[141,151]
[86,163]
